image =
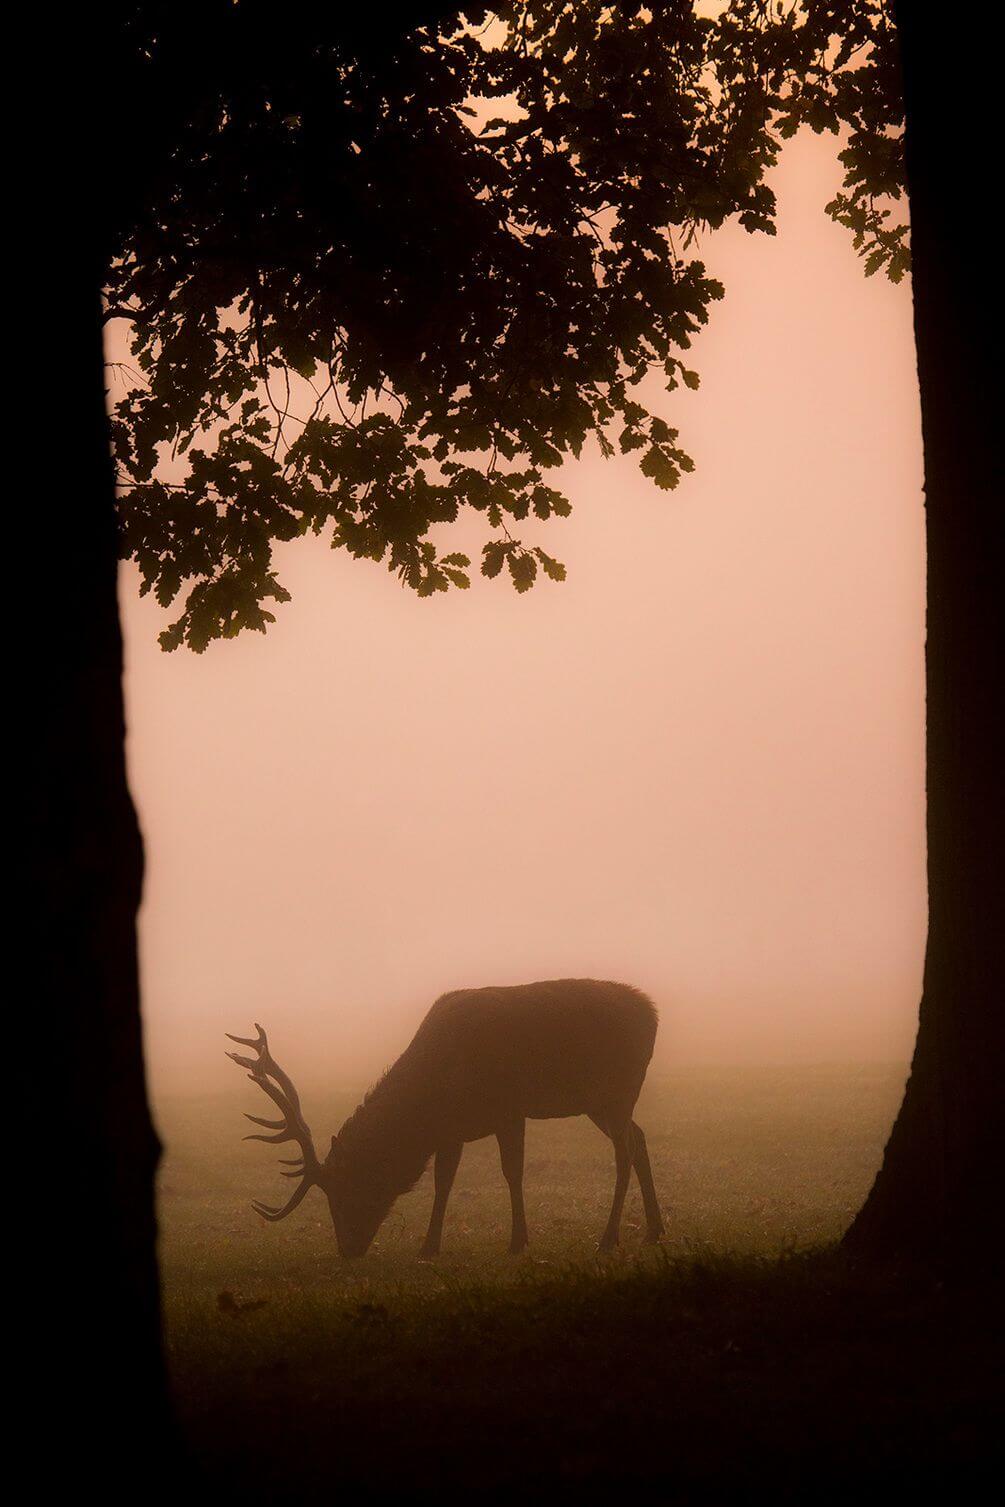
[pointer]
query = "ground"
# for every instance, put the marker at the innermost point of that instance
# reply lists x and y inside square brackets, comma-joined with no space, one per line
[743,1361]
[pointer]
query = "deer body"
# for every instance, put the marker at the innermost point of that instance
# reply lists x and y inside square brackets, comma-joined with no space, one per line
[482,1062]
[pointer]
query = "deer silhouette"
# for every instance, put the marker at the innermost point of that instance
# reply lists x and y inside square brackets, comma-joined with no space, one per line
[482,1063]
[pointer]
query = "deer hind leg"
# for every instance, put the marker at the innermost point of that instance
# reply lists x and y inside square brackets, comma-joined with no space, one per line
[445,1166]
[644,1173]
[511,1142]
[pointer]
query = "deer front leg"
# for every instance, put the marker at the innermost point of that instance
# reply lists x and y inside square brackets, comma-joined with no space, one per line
[445,1166]
[620,1132]
[511,1140]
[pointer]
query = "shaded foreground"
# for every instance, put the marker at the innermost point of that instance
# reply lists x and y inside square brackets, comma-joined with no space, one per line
[763,1375]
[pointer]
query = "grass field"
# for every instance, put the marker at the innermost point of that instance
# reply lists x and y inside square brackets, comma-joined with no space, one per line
[735,1363]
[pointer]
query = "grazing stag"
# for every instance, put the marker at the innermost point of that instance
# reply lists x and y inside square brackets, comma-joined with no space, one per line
[481,1063]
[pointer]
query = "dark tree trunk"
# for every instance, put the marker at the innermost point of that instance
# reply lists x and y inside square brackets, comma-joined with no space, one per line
[101,1379]
[107,1289]
[935,1195]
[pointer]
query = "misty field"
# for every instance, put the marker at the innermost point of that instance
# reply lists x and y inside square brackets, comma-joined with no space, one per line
[719,1365]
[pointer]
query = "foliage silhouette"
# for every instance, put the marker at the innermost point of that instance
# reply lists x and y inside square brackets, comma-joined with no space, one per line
[370,286]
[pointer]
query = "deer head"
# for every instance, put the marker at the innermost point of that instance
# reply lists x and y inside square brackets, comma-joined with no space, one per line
[357,1201]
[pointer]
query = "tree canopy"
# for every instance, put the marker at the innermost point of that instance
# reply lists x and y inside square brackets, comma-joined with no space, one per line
[373,280]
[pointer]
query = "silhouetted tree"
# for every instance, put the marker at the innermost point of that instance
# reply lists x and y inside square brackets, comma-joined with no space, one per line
[301,219]
[935,1194]
[96,1369]
[367,293]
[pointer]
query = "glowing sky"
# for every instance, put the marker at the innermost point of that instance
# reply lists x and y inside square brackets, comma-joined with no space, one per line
[696,766]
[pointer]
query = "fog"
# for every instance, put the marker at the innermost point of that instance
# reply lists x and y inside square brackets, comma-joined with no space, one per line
[695,766]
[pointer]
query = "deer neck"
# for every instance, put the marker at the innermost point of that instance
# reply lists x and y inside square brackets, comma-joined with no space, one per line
[391,1136]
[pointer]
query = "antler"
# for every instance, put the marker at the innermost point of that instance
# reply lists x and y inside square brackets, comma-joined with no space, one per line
[292,1126]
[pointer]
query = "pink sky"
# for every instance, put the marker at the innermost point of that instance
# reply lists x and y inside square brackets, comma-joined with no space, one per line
[696,766]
